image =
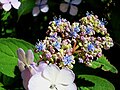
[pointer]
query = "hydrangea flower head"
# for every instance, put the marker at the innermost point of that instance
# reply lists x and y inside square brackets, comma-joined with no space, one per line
[81,38]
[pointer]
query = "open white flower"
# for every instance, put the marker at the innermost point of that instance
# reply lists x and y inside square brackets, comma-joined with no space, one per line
[72,4]
[7,4]
[40,6]
[52,78]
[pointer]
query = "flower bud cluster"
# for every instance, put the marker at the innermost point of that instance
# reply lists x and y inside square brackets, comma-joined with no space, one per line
[66,42]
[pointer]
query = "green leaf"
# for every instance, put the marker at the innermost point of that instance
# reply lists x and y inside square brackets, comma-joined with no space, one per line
[9,31]
[84,88]
[1,84]
[8,55]
[7,80]
[95,64]
[2,88]
[26,7]
[5,15]
[99,83]
[104,64]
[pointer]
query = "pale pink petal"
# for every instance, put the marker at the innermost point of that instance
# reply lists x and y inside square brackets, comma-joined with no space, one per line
[37,82]
[29,57]
[73,10]
[4,1]
[51,72]
[16,4]
[13,0]
[42,66]
[26,75]
[7,6]
[21,65]
[76,2]
[32,69]
[35,11]
[66,76]
[64,7]
[21,55]
[45,8]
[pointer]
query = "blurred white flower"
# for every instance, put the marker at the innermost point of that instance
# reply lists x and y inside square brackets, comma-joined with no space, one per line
[72,4]
[52,78]
[6,4]
[41,5]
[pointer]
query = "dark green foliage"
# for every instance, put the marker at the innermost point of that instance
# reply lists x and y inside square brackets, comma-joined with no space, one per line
[99,83]
[26,7]
[104,64]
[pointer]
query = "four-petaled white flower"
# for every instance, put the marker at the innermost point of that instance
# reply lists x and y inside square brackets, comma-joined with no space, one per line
[40,6]
[70,4]
[53,78]
[7,4]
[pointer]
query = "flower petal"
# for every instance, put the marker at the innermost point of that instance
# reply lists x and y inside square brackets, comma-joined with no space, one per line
[44,8]
[35,11]
[69,87]
[51,72]
[76,2]
[37,82]
[61,87]
[29,57]
[4,1]
[26,75]
[41,66]
[16,4]
[73,10]
[64,7]
[32,69]
[21,55]
[65,77]
[7,6]
[21,65]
